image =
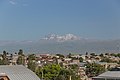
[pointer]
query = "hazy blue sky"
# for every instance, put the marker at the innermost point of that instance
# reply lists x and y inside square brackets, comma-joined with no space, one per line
[33,19]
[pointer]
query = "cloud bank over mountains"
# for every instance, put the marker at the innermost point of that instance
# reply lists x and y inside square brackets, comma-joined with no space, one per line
[59,38]
[67,43]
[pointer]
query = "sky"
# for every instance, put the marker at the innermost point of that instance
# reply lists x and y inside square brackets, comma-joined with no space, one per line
[33,19]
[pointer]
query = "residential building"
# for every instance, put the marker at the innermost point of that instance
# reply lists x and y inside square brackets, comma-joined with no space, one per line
[16,72]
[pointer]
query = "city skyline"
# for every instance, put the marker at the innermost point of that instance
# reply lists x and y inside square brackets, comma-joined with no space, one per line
[32,20]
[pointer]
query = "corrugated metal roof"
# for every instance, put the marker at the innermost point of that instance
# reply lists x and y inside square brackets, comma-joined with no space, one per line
[109,75]
[18,72]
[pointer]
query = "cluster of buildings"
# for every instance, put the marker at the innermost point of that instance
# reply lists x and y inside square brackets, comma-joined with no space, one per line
[74,60]
[66,61]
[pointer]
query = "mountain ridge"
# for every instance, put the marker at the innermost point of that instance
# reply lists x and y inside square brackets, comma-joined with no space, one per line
[69,45]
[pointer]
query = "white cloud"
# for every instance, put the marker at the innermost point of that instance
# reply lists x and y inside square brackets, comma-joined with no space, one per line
[12,2]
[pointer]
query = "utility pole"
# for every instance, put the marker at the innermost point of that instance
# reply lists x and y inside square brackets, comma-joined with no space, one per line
[42,73]
[70,77]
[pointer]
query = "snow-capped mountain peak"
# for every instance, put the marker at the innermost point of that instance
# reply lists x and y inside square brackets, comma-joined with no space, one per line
[61,38]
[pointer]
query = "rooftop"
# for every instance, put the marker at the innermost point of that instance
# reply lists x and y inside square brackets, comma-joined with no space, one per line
[110,75]
[18,72]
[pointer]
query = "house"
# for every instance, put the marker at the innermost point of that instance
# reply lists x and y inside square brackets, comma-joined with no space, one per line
[14,58]
[59,61]
[44,56]
[82,73]
[16,72]
[105,64]
[67,60]
[76,61]
[112,65]
[75,56]
[82,64]
[3,76]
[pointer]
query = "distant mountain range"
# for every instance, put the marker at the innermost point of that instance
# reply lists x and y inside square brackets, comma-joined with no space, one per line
[68,43]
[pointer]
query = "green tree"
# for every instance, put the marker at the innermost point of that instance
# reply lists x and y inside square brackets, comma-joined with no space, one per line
[94,69]
[21,60]
[69,73]
[55,72]
[74,70]
[60,55]
[49,71]
[60,77]
[118,55]
[113,54]
[74,66]
[107,54]
[20,52]
[31,57]
[69,55]
[5,59]
[31,62]
[105,59]
[1,62]
[66,73]
[93,54]
[86,53]
[81,59]
[32,66]
[101,55]
[4,53]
